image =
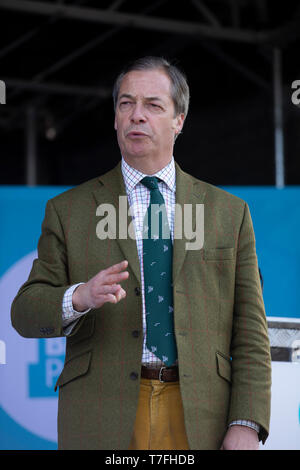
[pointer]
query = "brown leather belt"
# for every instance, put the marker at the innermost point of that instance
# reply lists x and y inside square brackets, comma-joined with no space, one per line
[164,374]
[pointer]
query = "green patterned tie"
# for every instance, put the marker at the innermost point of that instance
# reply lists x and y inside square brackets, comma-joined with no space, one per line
[158,259]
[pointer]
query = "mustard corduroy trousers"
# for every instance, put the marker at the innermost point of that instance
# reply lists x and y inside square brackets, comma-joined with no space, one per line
[159,420]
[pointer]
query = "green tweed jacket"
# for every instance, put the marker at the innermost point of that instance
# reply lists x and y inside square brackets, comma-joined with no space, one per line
[220,322]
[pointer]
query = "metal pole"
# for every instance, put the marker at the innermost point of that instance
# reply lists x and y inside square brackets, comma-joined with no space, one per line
[134,20]
[278,119]
[31,161]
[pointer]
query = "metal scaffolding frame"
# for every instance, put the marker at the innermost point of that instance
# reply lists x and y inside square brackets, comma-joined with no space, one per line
[130,20]
[141,21]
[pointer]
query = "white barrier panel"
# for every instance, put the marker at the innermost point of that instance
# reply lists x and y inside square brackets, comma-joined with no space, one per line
[285,407]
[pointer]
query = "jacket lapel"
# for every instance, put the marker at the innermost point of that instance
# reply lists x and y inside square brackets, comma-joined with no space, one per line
[188,191]
[111,187]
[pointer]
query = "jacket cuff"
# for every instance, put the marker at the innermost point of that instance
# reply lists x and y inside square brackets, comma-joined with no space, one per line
[246,422]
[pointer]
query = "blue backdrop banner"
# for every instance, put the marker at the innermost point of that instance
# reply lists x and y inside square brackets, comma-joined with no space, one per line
[29,367]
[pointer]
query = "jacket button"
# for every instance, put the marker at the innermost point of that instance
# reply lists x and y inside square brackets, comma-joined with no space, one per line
[46,331]
[134,376]
[135,333]
[137,291]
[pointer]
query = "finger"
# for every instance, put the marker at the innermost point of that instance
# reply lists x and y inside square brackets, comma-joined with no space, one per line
[117,267]
[108,289]
[121,294]
[114,299]
[110,298]
[115,278]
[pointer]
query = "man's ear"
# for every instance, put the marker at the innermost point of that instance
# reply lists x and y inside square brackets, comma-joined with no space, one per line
[178,123]
[115,123]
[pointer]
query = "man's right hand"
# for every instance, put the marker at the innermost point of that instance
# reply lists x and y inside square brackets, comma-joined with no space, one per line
[102,288]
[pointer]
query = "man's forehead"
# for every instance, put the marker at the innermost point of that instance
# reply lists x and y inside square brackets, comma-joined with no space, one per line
[149,83]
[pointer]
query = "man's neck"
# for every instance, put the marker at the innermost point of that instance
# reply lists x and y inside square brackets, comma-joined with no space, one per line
[146,165]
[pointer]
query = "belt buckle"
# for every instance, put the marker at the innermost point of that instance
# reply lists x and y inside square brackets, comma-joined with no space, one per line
[160,374]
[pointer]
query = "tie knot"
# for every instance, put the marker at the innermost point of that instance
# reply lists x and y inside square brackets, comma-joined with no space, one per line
[150,182]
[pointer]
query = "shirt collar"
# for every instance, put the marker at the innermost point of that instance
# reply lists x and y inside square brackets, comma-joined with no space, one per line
[132,176]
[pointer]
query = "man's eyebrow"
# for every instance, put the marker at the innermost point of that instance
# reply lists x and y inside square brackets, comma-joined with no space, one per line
[147,98]
[153,98]
[126,95]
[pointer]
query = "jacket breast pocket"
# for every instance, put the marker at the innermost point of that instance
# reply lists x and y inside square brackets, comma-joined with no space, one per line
[75,367]
[218,254]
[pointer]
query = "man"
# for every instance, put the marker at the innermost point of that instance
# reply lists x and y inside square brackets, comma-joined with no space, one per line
[198,375]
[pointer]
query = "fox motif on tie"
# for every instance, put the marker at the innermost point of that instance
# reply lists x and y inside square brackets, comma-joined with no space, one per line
[158,260]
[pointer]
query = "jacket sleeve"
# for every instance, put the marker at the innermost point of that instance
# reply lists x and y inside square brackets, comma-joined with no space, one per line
[36,311]
[250,347]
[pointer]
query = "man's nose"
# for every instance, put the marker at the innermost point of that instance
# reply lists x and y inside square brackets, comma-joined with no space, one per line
[138,114]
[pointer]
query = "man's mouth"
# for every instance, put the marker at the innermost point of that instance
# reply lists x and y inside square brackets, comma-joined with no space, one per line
[136,135]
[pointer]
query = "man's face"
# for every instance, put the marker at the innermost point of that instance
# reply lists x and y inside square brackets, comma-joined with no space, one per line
[144,118]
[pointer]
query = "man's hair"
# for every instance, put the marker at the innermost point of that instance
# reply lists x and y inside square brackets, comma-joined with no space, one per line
[179,88]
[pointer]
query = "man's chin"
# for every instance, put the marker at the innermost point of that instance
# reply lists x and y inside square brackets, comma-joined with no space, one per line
[136,153]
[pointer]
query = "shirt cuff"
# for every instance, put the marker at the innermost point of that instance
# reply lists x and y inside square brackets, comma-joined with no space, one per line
[69,314]
[245,422]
